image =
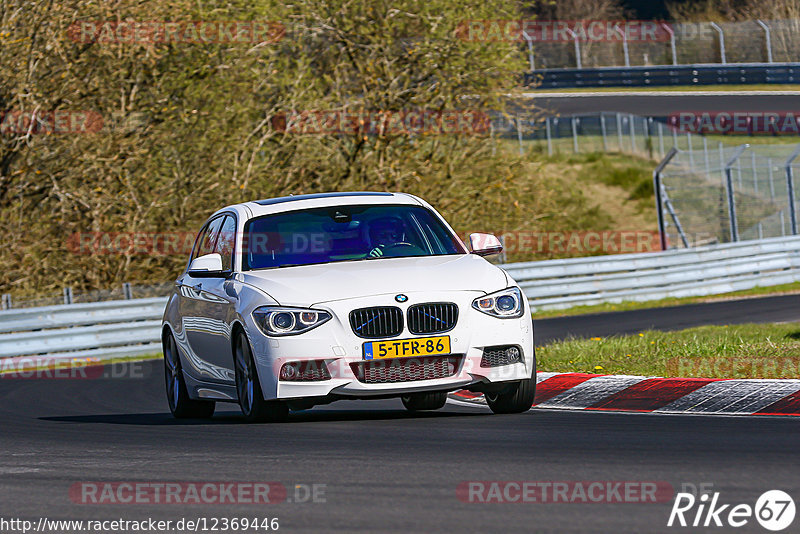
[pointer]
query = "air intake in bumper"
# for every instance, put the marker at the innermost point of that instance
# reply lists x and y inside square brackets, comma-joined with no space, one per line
[406,369]
[502,355]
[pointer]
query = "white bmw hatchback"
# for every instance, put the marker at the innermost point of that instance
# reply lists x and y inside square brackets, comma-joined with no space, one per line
[296,301]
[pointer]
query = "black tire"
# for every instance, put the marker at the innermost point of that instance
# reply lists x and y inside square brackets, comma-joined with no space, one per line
[516,398]
[416,402]
[251,400]
[180,404]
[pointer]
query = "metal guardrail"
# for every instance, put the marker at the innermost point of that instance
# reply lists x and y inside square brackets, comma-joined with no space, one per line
[132,327]
[559,284]
[663,75]
[115,328]
[81,314]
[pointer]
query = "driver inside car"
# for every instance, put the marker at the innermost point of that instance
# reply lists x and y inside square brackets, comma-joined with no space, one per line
[384,233]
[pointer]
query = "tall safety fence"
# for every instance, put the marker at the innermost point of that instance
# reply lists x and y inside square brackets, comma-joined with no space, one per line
[687,43]
[650,137]
[727,194]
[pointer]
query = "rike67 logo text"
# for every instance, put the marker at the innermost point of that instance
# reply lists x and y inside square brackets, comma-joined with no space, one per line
[774,510]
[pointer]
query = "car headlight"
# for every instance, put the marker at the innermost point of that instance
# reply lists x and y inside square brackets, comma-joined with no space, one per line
[506,304]
[276,321]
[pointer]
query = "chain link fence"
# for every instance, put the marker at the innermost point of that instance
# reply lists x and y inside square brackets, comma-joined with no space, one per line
[714,189]
[648,137]
[733,193]
[761,41]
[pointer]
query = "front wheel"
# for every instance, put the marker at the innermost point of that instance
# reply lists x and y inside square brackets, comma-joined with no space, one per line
[180,404]
[248,388]
[516,398]
[424,401]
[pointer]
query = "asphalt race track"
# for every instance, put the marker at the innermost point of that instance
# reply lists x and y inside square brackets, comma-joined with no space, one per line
[661,104]
[386,470]
[784,308]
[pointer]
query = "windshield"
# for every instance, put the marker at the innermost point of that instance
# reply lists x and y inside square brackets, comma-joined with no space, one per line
[345,233]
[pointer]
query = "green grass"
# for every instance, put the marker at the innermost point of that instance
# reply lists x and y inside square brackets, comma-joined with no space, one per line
[625,306]
[678,88]
[742,351]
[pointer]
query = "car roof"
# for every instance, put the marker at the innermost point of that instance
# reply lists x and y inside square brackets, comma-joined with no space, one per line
[323,200]
[314,196]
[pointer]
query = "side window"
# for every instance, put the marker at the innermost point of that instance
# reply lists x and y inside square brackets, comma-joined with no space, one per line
[226,242]
[206,239]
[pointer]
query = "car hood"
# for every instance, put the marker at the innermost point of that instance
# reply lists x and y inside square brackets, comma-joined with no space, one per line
[314,284]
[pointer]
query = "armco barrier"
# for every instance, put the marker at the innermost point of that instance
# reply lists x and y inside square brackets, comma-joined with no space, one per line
[132,327]
[559,284]
[664,75]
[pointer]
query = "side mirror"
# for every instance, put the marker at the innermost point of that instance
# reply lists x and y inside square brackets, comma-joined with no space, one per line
[485,244]
[207,266]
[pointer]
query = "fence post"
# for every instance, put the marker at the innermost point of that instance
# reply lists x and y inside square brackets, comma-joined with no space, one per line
[768,39]
[549,137]
[729,185]
[753,168]
[771,180]
[662,231]
[126,291]
[519,135]
[6,301]
[578,60]
[624,45]
[633,133]
[790,190]
[705,155]
[530,49]
[739,173]
[671,42]
[619,131]
[574,125]
[603,131]
[721,41]
[67,295]
[661,138]
[691,152]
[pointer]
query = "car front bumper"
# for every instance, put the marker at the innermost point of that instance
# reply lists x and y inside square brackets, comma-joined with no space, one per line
[335,346]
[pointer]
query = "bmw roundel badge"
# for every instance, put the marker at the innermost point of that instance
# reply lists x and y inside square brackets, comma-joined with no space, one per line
[401,298]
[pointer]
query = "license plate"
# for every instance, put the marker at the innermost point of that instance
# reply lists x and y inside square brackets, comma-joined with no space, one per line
[407,348]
